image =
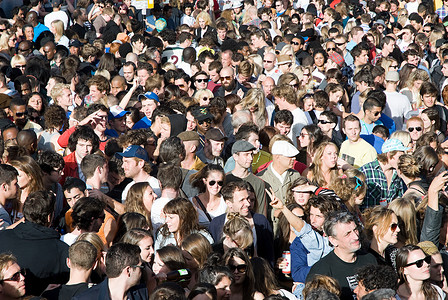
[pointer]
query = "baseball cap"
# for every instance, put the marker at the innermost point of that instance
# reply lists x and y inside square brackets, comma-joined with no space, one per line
[134,151]
[237,4]
[188,136]
[148,95]
[116,112]
[202,113]
[283,59]
[392,76]
[75,43]
[242,146]
[215,134]
[393,145]
[284,148]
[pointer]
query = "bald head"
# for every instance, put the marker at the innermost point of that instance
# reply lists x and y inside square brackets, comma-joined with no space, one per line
[270,56]
[227,71]
[239,118]
[31,17]
[118,84]
[132,57]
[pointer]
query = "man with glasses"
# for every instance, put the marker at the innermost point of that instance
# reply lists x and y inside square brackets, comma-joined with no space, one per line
[372,113]
[229,84]
[183,81]
[341,42]
[12,278]
[203,118]
[123,269]
[201,80]
[270,68]
[397,104]
[18,108]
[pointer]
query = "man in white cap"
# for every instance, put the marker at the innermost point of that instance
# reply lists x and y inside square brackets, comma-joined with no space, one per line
[383,182]
[280,173]
[397,104]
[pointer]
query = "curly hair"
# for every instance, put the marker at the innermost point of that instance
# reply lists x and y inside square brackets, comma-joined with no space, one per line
[85,133]
[57,90]
[350,185]
[100,82]
[54,117]
[85,211]
[375,277]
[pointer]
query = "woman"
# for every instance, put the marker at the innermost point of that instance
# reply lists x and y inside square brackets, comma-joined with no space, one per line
[431,122]
[309,140]
[57,28]
[204,21]
[265,281]
[243,286]
[201,289]
[203,97]
[29,181]
[415,128]
[6,45]
[36,101]
[429,161]
[140,199]
[351,187]
[306,81]
[412,86]
[297,193]
[320,59]
[19,62]
[55,119]
[237,232]
[381,228]
[405,210]
[181,220]
[409,169]
[209,203]
[128,221]
[255,103]
[196,249]
[324,169]
[167,259]
[389,64]
[412,266]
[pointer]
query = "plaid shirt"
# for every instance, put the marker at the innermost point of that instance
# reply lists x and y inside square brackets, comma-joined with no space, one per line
[442,12]
[377,190]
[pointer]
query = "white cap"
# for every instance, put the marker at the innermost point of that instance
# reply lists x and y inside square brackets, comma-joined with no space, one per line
[284,148]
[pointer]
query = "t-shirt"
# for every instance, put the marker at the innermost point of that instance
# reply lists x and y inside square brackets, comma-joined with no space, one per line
[357,154]
[344,272]
[300,120]
[397,106]
[368,128]
[65,292]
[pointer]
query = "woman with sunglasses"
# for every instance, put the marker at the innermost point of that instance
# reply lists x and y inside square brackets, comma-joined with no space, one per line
[209,203]
[414,126]
[309,139]
[381,228]
[203,97]
[181,220]
[412,266]
[243,285]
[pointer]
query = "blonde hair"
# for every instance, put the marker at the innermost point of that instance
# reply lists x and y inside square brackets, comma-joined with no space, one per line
[239,230]
[4,40]
[255,98]
[402,136]
[17,59]
[95,240]
[58,28]
[316,170]
[57,90]
[201,93]
[405,211]
[204,16]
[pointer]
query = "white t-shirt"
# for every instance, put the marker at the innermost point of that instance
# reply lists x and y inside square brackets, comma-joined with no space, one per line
[157,218]
[203,220]
[300,120]
[397,106]
[69,238]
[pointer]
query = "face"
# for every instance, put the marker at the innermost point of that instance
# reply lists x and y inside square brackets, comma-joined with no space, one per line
[214,182]
[73,195]
[10,134]
[130,167]
[95,93]
[35,102]
[173,222]
[429,100]
[216,147]
[417,84]
[269,62]
[148,107]
[415,129]
[23,180]
[373,114]
[148,198]
[285,162]
[222,34]
[418,274]
[49,51]
[391,236]
[119,124]
[244,159]
[347,237]
[159,265]
[223,288]
[146,249]
[360,290]
[182,84]
[240,203]
[300,197]
[316,218]
[83,148]
[201,82]
[203,126]
[191,124]
[238,276]
[352,130]
[226,77]
[363,57]
[14,286]
[128,73]
[308,104]
[29,33]
[117,86]
[341,43]
[283,127]
[436,268]
[19,114]
[319,60]
[278,6]
[304,139]
[201,23]
[142,75]
[324,124]
[214,75]
[65,99]
[330,156]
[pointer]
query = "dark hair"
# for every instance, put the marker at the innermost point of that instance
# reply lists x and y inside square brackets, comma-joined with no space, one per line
[49,161]
[196,179]
[245,130]
[170,176]
[172,150]
[203,288]
[188,218]
[7,174]
[228,190]
[84,133]
[38,206]
[375,277]
[433,115]
[128,221]
[86,210]
[331,116]
[284,116]
[213,274]
[73,182]
[370,103]
[89,164]
[120,256]
[428,88]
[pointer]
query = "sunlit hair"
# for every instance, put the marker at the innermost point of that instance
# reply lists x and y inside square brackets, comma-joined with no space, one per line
[29,166]
[255,102]
[324,282]
[134,236]
[58,28]
[379,216]
[134,200]
[406,214]
[350,185]
[402,136]
[201,94]
[316,166]
[198,246]
[204,16]
[238,229]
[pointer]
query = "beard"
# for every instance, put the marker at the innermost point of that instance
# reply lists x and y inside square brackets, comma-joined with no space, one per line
[230,87]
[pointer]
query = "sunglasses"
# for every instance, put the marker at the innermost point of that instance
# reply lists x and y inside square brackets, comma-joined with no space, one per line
[202,80]
[427,31]
[419,263]
[302,192]
[295,43]
[331,49]
[268,61]
[359,183]
[226,78]
[213,182]
[324,122]
[240,268]
[394,66]
[21,114]
[208,121]
[411,129]
[376,113]
[393,226]
[15,276]
[277,52]
[303,134]
[340,44]
[205,99]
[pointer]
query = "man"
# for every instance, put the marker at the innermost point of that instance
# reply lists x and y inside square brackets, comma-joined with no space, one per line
[383,182]
[79,17]
[371,278]
[117,84]
[117,121]
[298,45]
[8,191]
[190,140]
[10,134]
[129,72]
[37,247]
[341,42]
[214,71]
[101,20]
[82,259]
[283,120]
[229,84]
[397,104]
[18,108]
[345,259]
[124,270]
[172,53]
[372,113]
[31,18]
[355,151]
[138,44]
[363,80]
[356,35]
[57,14]
[156,85]
[214,144]
[183,81]
[270,68]
[12,278]
[286,98]
[203,118]
[236,195]
[360,55]
[99,88]
[407,37]
[226,58]
[150,101]
[243,154]
[388,46]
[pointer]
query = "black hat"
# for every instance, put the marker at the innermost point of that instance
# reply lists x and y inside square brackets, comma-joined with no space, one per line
[75,43]
[215,134]
[202,113]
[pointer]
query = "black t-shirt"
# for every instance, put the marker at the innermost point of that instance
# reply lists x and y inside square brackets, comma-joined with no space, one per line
[65,292]
[345,273]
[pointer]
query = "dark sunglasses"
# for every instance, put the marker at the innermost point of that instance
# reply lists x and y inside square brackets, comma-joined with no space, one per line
[205,99]
[226,78]
[411,129]
[21,114]
[331,49]
[15,276]
[419,263]
[208,121]
[324,122]
[340,44]
[202,80]
[268,61]
[427,31]
[295,43]
[240,268]
[213,182]
[277,52]
[393,226]
[376,113]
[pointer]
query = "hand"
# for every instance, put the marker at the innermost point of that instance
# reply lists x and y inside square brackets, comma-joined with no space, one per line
[90,118]
[275,203]
[96,194]
[281,263]
[135,83]
[439,182]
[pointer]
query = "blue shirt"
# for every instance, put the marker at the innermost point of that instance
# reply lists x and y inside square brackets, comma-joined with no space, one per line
[38,30]
[374,140]
[368,128]
[143,123]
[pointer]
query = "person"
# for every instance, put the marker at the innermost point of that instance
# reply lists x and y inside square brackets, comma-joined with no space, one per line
[123,270]
[413,271]
[437,267]
[236,195]
[397,104]
[140,199]
[372,278]
[37,247]
[8,192]
[383,183]
[82,259]
[181,219]
[355,151]
[209,203]
[149,101]
[220,277]
[213,147]
[372,113]
[324,169]
[12,277]
[206,289]
[342,262]
[190,140]
[142,238]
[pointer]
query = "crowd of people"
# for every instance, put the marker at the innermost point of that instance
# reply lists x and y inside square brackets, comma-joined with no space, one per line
[227,149]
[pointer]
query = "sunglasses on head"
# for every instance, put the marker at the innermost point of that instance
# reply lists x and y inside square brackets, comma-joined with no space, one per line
[323,122]
[202,80]
[15,276]
[213,182]
[208,121]
[411,129]
[419,263]
[240,268]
